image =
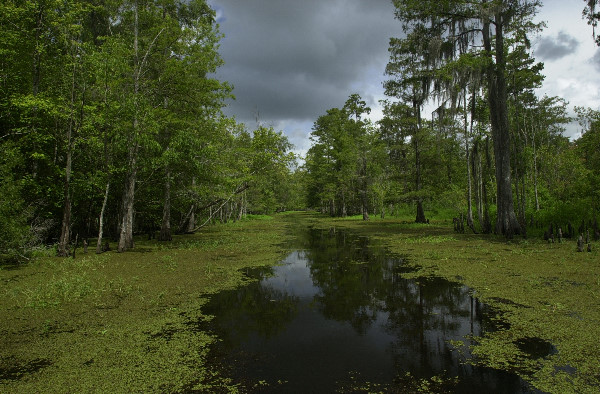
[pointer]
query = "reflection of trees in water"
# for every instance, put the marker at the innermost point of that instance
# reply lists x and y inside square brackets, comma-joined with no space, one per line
[423,316]
[347,272]
[252,310]
[360,284]
[358,281]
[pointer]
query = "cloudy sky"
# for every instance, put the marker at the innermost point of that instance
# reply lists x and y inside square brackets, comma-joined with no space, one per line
[291,60]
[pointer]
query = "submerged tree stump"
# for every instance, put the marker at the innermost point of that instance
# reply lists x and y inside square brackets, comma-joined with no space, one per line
[560,235]
[458,222]
[587,236]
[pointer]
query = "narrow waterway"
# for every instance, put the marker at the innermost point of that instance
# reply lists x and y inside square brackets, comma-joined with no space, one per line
[337,315]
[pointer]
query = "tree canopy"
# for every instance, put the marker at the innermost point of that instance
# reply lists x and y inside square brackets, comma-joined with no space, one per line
[111,125]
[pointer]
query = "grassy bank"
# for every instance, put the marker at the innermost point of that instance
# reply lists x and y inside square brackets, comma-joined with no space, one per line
[132,322]
[548,296]
[126,322]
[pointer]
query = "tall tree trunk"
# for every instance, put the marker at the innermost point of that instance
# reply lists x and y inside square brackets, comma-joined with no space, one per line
[107,161]
[241,213]
[523,207]
[65,232]
[525,172]
[418,185]
[506,221]
[101,220]
[192,220]
[467,150]
[245,197]
[478,174]
[230,211]
[165,228]
[487,223]
[517,173]
[126,236]
[535,169]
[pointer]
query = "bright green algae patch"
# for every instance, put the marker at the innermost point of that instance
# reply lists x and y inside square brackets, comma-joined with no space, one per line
[126,322]
[547,297]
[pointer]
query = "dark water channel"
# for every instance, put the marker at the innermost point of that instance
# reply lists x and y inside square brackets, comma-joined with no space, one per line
[337,310]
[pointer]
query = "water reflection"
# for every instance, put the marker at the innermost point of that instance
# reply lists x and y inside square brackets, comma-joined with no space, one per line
[338,304]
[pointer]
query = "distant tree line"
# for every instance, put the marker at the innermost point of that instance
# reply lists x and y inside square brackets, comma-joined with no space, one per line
[492,151]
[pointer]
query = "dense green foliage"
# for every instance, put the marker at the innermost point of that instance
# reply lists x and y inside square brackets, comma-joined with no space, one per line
[491,152]
[111,124]
[344,163]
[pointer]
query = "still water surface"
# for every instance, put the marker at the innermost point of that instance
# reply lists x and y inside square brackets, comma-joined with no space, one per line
[337,310]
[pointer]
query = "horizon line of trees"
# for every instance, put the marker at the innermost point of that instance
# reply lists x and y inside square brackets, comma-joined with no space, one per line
[111,125]
[492,151]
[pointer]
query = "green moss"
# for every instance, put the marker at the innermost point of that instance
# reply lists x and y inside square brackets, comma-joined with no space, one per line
[132,322]
[129,322]
[406,383]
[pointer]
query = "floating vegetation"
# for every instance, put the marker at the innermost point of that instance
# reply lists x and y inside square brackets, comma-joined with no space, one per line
[12,368]
[126,322]
[537,290]
[130,321]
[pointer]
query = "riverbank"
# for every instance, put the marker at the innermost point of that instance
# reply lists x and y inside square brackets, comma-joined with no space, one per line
[126,322]
[547,296]
[132,322]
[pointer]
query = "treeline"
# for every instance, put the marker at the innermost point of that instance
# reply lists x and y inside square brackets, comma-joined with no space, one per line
[491,151]
[111,125]
[361,168]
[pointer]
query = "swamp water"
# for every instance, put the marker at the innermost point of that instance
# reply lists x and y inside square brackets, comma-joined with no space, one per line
[337,315]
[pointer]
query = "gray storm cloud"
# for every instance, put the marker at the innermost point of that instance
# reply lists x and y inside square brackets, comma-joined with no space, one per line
[293,60]
[557,47]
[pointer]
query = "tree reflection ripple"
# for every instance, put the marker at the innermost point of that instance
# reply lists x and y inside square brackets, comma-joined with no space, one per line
[338,310]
